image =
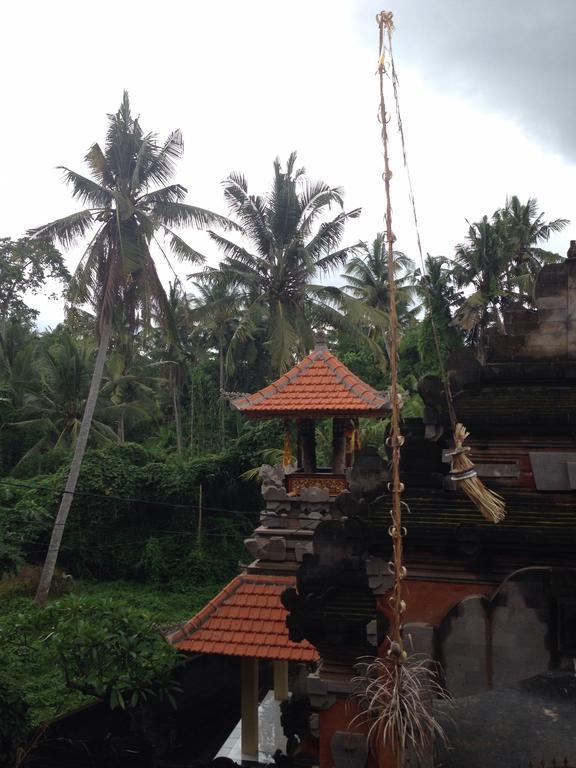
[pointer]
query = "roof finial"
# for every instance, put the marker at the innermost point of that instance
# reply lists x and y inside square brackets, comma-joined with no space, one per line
[320,340]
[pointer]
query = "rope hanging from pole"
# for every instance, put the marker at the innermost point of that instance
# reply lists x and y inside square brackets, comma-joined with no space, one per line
[397,689]
[491,504]
[395,440]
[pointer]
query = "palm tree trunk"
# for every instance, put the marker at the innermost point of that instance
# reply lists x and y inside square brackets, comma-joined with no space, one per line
[121,429]
[192,426]
[222,382]
[79,451]
[177,417]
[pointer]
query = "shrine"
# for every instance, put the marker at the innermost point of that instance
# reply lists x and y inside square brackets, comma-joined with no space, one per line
[302,501]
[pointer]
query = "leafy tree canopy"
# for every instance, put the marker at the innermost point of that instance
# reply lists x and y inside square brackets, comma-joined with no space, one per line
[25,266]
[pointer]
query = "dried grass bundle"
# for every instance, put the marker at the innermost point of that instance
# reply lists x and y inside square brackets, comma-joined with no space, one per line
[492,505]
[395,701]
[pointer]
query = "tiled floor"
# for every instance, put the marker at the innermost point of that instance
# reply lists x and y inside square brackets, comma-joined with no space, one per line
[270,732]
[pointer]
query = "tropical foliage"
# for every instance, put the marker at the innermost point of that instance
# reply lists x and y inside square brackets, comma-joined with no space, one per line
[138,374]
[292,245]
[499,261]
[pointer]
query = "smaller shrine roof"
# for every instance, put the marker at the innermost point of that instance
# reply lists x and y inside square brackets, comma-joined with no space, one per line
[245,619]
[320,385]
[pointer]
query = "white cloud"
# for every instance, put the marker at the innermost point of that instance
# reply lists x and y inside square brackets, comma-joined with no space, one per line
[246,82]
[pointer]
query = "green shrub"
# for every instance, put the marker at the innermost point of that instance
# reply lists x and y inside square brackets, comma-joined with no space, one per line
[136,517]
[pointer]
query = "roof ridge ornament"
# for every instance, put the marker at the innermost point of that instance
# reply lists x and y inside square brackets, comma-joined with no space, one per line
[320,343]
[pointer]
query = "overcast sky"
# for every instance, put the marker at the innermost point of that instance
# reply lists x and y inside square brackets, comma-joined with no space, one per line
[486,87]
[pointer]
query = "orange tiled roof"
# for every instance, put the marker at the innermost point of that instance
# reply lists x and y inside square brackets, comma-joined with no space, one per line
[320,384]
[245,619]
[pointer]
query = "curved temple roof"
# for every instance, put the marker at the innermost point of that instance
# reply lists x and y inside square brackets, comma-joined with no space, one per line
[320,385]
[246,619]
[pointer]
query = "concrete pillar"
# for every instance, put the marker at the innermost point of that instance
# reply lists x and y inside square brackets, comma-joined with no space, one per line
[249,709]
[280,680]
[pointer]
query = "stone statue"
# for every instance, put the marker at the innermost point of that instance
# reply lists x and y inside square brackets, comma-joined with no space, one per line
[272,477]
[572,250]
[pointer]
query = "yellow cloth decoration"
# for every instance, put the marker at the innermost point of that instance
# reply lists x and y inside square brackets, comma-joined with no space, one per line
[287,458]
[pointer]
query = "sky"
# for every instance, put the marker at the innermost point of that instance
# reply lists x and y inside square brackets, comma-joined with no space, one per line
[486,90]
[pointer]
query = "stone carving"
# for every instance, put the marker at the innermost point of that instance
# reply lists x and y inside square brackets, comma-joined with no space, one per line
[369,474]
[314,494]
[272,478]
[572,250]
[273,548]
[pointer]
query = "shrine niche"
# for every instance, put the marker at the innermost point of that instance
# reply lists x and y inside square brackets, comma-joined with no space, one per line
[300,494]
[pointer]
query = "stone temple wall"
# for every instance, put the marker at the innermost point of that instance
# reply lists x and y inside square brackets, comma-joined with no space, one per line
[547,332]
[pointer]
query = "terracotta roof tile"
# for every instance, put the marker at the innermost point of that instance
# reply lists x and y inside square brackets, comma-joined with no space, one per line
[245,619]
[318,384]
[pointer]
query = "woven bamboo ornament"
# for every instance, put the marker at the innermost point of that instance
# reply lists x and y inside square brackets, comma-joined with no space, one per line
[463,472]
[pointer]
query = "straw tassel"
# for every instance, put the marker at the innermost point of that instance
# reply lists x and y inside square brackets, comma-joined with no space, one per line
[462,470]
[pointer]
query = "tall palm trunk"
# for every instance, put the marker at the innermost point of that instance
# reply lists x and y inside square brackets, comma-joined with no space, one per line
[192,425]
[79,451]
[177,416]
[222,382]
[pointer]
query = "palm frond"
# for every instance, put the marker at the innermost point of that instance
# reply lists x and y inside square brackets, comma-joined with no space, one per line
[98,164]
[174,193]
[244,331]
[176,214]
[182,250]
[66,230]
[235,252]
[330,234]
[86,190]
[284,337]
[250,210]
[337,258]
[162,167]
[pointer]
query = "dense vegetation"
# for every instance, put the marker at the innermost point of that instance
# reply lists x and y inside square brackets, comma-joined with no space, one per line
[160,510]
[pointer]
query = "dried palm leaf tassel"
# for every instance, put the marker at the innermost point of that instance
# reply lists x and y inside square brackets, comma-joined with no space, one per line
[462,470]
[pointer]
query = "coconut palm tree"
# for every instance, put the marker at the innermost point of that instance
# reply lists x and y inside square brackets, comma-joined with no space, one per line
[434,287]
[130,392]
[482,262]
[500,260]
[129,202]
[291,245]
[55,405]
[367,278]
[216,310]
[525,229]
